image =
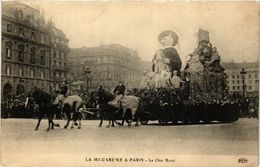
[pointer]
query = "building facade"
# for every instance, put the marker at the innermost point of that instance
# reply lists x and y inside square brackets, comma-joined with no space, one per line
[234,77]
[59,50]
[26,48]
[108,64]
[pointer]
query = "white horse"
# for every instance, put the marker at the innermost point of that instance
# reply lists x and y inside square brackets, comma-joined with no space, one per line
[130,103]
[70,105]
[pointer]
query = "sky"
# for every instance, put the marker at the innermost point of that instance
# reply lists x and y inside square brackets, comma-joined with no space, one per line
[233,26]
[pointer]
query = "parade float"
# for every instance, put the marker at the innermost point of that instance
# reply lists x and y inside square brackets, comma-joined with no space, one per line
[202,98]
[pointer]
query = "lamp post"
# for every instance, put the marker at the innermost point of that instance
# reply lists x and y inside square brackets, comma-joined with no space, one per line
[243,72]
[87,74]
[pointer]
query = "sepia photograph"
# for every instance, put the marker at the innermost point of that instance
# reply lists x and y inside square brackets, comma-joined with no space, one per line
[129,83]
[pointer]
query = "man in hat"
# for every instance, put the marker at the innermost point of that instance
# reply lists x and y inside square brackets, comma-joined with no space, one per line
[63,88]
[119,92]
[120,89]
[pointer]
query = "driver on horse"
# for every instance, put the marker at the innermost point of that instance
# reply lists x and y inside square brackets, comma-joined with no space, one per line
[63,88]
[119,92]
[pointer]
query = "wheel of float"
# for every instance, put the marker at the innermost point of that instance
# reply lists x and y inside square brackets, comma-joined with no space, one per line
[118,123]
[129,121]
[162,122]
[144,122]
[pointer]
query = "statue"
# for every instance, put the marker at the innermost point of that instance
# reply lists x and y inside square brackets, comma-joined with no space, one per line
[166,60]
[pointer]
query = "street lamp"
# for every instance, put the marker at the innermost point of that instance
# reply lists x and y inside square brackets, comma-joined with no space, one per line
[87,74]
[243,72]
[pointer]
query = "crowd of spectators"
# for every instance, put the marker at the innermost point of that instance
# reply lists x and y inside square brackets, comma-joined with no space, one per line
[151,100]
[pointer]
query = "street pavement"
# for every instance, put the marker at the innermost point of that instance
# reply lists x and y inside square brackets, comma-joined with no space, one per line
[20,141]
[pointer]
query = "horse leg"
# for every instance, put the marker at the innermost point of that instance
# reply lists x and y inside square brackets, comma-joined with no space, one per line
[68,121]
[113,121]
[137,119]
[79,127]
[109,124]
[123,118]
[49,124]
[39,121]
[101,120]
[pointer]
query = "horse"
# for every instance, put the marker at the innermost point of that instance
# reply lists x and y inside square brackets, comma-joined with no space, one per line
[104,110]
[127,103]
[70,106]
[46,107]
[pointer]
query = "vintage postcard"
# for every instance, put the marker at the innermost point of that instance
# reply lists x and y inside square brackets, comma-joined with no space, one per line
[129,83]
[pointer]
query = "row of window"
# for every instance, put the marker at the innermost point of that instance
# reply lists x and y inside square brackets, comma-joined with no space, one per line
[58,75]
[238,76]
[21,54]
[239,88]
[238,81]
[59,64]
[21,72]
[21,32]
[59,55]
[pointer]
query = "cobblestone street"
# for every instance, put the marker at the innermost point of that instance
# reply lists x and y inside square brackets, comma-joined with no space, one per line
[19,139]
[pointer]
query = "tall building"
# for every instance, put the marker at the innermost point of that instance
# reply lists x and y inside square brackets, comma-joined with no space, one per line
[234,77]
[108,64]
[59,50]
[26,49]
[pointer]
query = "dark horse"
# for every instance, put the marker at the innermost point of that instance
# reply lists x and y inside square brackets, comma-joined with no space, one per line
[105,110]
[112,113]
[46,108]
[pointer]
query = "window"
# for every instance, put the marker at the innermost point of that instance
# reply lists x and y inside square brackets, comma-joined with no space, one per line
[33,36]
[60,55]
[105,59]
[233,81]
[256,75]
[54,54]
[249,81]
[9,28]
[59,64]
[250,87]
[21,52]
[233,76]
[7,52]
[43,57]
[234,87]
[42,37]
[238,87]
[237,81]
[21,32]
[256,81]
[8,48]
[32,73]
[249,75]
[20,72]
[109,75]
[33,56]
[42,74]
[8,70]
[237,76]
